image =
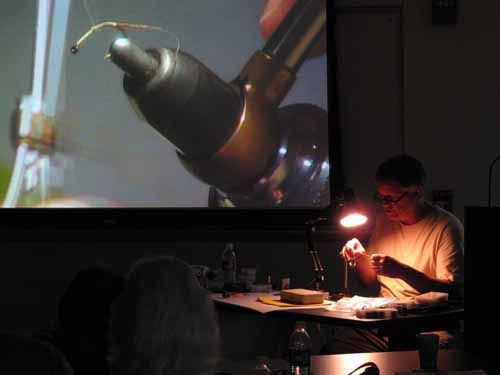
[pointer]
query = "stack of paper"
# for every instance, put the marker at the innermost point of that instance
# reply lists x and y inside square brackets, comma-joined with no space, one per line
[351,304]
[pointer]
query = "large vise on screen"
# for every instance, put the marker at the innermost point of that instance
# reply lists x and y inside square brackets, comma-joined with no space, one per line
[233,136]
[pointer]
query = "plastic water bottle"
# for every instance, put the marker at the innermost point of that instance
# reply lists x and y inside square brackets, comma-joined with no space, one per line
[299,350]
[229,266]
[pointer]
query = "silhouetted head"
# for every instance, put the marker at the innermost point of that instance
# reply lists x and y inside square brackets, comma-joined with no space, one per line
[164,321]
[83,314]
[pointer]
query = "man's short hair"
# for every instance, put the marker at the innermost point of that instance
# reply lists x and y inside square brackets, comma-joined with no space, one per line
[402,169]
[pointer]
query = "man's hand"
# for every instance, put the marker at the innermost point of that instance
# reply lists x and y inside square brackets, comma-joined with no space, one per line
[352,250]
[355,254]
[386,265]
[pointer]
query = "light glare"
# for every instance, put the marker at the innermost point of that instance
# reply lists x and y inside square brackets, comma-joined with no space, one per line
[122,42]
[353,220]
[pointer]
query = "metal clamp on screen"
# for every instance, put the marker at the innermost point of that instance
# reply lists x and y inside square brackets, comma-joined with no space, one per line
[232,135]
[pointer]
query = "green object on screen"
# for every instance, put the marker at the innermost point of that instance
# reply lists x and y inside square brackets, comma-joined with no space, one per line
[5,172]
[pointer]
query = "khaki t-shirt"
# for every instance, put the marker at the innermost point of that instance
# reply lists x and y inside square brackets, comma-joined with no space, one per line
[434,245]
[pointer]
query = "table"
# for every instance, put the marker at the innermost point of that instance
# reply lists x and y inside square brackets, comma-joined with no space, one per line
[389,362]
[343,364]
[277,322]
[428,321]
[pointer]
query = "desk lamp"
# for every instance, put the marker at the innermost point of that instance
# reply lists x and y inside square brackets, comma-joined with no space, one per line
[319,279]
[352,216]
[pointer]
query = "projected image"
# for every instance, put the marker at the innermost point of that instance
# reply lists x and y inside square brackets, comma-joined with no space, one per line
[174,104]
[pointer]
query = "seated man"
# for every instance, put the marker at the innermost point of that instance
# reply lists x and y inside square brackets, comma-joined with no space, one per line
[415,247]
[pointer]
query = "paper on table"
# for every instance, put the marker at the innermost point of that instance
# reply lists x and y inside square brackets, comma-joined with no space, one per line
[351,304]
[249,301]
[276,301]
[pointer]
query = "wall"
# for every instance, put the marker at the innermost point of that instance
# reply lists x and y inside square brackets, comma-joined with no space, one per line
[451,109]
[370,89]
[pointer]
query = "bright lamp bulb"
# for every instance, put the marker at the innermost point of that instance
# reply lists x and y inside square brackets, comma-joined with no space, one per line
[353,220]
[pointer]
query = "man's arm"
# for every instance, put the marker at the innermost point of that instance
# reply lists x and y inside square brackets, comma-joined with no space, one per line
[423,283]
[388,266]
[365,272]
[353,251]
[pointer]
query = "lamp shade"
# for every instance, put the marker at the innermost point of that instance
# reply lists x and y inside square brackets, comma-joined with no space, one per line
[352,213]
[354,219]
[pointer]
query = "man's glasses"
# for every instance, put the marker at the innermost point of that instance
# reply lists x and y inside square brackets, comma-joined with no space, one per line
[387,199]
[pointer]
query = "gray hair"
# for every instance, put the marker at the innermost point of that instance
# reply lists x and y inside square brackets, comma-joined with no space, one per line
[403,169]
[164,322]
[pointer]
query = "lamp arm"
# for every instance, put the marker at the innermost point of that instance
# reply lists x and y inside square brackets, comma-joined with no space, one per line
[318,267]
[489,178]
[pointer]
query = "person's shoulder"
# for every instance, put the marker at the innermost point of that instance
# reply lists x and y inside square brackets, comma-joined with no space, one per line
[445,217]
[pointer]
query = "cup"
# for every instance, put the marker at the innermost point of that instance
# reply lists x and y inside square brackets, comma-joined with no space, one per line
[285,283]
[428,349]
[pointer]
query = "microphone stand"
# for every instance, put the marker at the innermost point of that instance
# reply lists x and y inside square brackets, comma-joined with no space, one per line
[319,279]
